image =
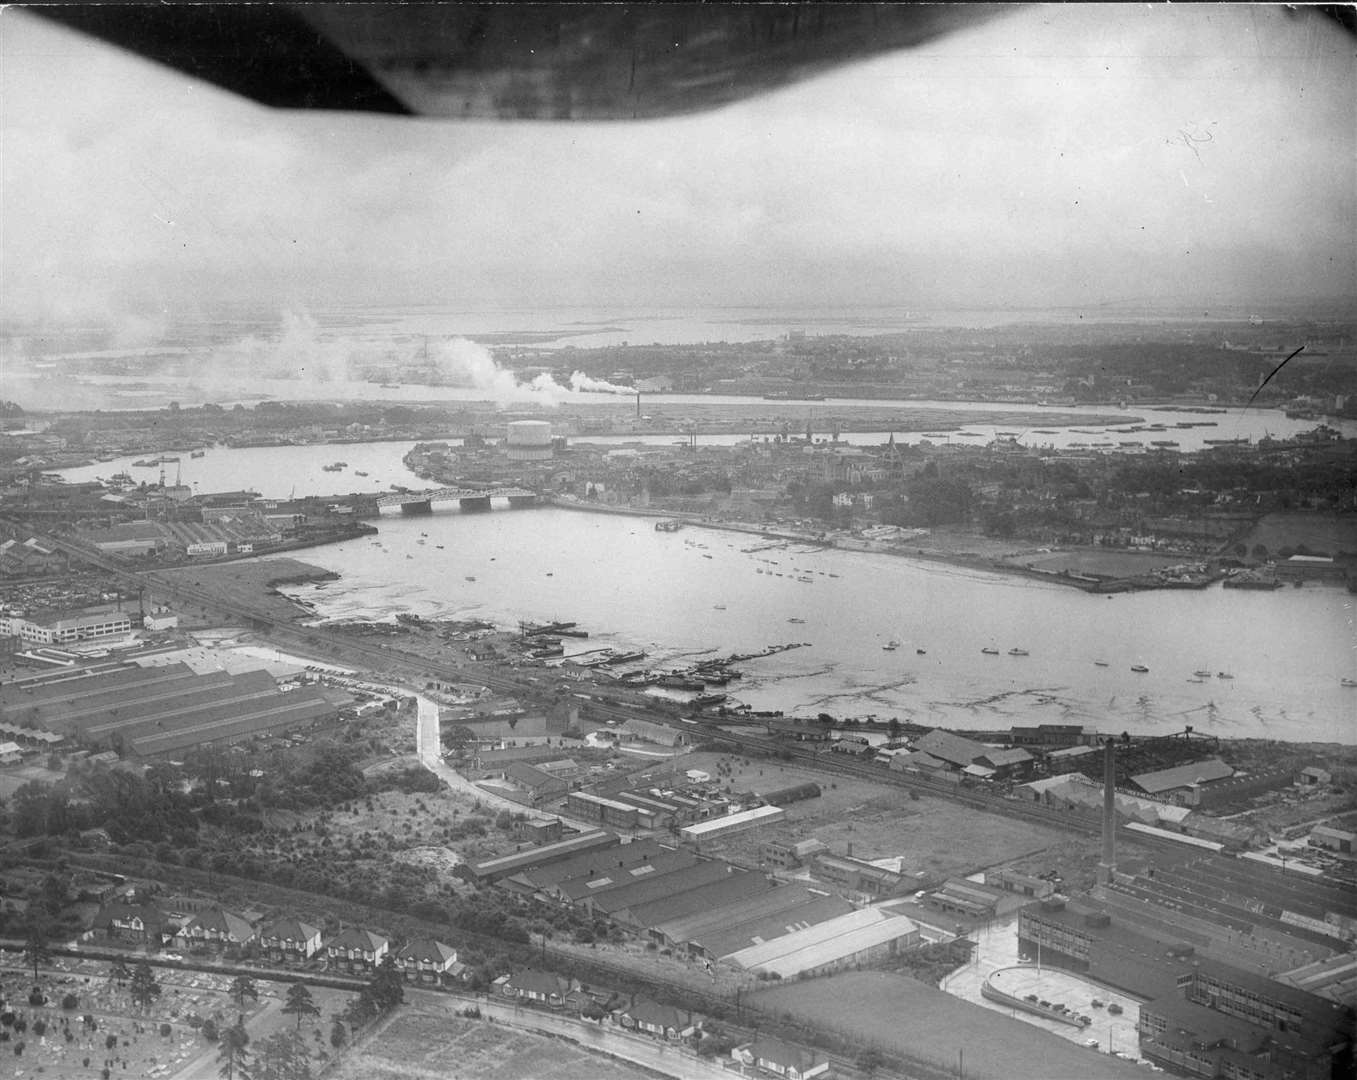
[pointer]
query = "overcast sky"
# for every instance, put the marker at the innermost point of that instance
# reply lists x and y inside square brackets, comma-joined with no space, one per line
[1057,156]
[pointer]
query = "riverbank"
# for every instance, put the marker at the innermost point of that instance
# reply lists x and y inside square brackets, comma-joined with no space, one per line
[995,560]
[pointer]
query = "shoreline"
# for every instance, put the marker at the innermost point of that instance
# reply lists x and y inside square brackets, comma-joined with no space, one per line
[870,547]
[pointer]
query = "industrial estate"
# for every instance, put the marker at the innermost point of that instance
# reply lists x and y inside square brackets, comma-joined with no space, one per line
[201,776]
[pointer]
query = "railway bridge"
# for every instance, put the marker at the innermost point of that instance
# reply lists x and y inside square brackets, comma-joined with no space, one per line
[474,500]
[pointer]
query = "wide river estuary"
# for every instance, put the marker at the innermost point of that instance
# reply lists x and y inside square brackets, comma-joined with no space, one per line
[699,592]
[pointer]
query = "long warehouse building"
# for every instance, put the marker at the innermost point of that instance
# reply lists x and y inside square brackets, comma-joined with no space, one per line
[153,711]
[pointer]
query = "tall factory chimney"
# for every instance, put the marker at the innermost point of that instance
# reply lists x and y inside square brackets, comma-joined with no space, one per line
[1108,863]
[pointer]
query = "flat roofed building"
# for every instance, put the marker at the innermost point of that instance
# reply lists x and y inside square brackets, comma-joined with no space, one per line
[540,855]
[731,823]
[856,938]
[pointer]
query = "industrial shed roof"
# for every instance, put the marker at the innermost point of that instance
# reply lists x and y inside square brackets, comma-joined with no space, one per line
[1155,783]
[825,943]
[705,898]
[653,887]
[580,865]
[503,865]
[714,826]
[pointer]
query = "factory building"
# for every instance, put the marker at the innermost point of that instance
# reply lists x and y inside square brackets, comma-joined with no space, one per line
[851,940]
[67,630]
[501,866]
[590,807]
[714,828]
[160,710]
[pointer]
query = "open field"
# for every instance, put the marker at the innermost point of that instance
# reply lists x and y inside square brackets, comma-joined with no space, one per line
[1320,534]
[244,581]
[436,1046]
[903,1014]
[933,837]
[1102,562]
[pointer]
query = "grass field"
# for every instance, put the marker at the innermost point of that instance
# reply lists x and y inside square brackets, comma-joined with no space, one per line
[955,1036]
[1099,561]
[436,1046]
[1327,534]
[935,838]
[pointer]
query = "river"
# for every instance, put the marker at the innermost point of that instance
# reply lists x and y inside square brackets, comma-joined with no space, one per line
[701,592]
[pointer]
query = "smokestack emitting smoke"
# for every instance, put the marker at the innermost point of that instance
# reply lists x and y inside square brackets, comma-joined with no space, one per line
[1109,860]
[303,350]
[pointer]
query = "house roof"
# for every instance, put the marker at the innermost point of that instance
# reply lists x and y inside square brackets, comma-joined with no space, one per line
[220,921]
[1155,783]
[426,950]
[645,1011]
[149,914]
[785,1054]
[288,928]
[539,982]
[355,938]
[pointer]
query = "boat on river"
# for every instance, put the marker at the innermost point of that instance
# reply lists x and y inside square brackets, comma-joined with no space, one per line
[891,646]
[1202,674]
[1224,675]
[1017,652]
[1347,682]
[1139,669]
[1101,663]
[990,652]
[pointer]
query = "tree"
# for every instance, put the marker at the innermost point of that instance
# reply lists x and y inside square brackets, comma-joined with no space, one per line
[283,1056]
[243,987]
[234,1057]
[361,1009]
[300,1003]
[144,989]
[118,972]
[338,1035]
[36,951]
[387,985]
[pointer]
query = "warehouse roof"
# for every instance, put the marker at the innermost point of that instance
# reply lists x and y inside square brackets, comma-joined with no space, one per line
[825,943]
[1197,772]
[716,896]
[653,887]
[503,865]
[952,749]
[586,862]
[713,826]
[611,878]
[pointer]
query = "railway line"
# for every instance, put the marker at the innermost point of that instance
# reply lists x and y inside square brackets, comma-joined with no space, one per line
[602,703]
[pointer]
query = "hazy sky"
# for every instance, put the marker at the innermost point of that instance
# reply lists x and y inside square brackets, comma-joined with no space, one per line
[1058,155]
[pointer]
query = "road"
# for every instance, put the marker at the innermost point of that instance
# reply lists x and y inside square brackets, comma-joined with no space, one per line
[428,741]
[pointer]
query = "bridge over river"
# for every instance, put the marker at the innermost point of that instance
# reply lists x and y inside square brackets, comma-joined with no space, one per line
[466,499]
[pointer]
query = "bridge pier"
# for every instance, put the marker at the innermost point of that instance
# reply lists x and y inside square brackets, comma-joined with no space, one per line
[516,501]
[475,505]
[412,509]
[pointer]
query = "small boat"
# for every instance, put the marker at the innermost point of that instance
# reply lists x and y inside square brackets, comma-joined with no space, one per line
[920,652]
[1202,674]
[718,607]
[1224,675]
[990,652]
[470,578]
[1347,682]
[1139,668]
[891,646]
[359,472]
[439,546]
[1017,652]
[706,556]
[794,620]
[1100,663]
[197,453]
